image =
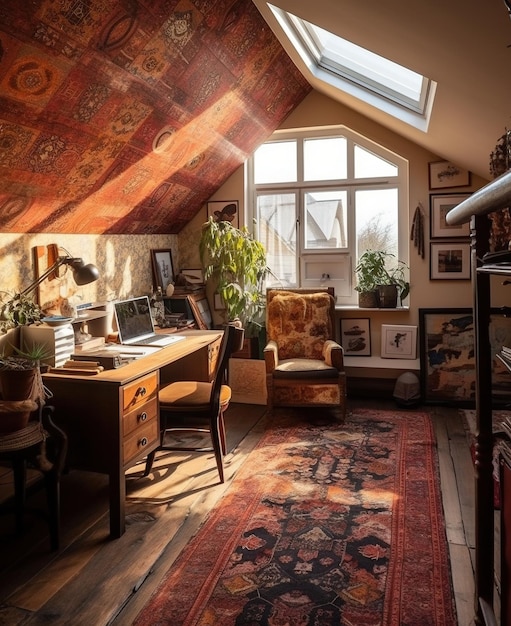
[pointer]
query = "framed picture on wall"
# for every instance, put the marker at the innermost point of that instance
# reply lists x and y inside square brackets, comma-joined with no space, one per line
[356,336]
[163,270]
[224,211]
[398,342]
[449,260]
[443,174]
[440,205]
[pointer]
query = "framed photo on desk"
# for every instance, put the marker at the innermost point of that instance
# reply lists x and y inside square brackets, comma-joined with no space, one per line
[163,270]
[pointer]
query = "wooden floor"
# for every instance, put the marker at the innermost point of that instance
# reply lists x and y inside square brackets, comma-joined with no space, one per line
[94,581]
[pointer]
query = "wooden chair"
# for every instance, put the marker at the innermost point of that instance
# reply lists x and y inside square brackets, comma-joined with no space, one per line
[304,364]
[43,446]
[199,406]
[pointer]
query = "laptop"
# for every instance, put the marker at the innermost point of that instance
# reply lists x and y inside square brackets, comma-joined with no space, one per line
[135,324]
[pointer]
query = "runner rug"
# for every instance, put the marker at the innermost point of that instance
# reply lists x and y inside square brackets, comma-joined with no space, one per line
[325,524]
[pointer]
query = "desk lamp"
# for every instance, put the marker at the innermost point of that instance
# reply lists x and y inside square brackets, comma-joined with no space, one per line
[83,274]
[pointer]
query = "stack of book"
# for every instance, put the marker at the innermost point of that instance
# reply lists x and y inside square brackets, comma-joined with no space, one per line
[505,356]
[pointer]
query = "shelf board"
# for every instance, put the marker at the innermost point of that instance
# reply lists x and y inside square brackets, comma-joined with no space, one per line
[376,362]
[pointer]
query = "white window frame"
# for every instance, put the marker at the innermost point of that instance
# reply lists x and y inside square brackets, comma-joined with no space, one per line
[339,265]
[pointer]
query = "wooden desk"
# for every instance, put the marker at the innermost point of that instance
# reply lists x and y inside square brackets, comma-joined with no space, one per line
[112,418]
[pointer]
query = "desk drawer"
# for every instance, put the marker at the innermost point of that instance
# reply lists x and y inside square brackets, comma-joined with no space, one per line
[140,416]
[139,391]
[140,440]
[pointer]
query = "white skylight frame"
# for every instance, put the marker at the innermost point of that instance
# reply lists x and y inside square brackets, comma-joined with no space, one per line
[358,72]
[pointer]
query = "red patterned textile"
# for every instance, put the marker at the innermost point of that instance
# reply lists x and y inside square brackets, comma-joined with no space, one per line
[125,117]
[326,524]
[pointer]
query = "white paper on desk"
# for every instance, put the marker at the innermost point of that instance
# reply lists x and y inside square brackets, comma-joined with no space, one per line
[130,352]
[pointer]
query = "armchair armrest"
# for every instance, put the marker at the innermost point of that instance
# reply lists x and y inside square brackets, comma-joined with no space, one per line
[333,354]
[271,356]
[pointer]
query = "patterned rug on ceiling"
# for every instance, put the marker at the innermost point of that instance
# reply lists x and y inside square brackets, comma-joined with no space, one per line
[325,524]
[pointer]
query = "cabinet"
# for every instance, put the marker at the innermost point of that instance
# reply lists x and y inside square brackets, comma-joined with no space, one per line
[494,196]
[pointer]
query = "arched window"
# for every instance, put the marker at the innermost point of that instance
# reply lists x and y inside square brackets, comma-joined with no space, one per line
[320,199]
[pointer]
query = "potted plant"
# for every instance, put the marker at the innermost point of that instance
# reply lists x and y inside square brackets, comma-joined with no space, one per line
[19,310]
[20,380]
[384,276]
[236,264]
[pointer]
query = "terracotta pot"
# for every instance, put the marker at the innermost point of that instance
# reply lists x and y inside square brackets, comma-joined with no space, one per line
[16,385]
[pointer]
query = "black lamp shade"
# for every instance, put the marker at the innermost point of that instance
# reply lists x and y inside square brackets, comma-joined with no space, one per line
[83,274]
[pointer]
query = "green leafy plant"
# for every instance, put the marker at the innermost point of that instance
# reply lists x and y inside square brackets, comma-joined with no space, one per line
[19,310]
[377,267]
[27,358]
[236,263]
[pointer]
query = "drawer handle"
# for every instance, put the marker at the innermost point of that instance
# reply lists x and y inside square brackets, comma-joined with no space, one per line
[142,417]
[143,442]
[141,391]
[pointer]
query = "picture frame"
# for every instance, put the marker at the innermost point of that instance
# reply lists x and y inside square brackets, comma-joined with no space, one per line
[439,206]
[226,210]
[398,342]
[193,276]
[356,336]
[200,310]
[447,356]
[449,260]
[444,174]
[162,268]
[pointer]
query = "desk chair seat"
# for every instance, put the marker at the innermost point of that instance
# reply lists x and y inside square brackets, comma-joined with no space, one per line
[30,446]
[198,407]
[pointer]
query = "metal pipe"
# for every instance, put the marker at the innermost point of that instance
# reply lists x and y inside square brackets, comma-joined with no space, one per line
[493,196]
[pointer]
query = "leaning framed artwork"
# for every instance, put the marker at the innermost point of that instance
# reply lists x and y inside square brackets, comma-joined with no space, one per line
[447,355]
[439,206]
[446,340]
[224,211]
[356,336]
[163,270]
[449,260]
[398,342]
[443,174]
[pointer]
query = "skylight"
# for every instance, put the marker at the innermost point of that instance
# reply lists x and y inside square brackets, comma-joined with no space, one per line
[376,80]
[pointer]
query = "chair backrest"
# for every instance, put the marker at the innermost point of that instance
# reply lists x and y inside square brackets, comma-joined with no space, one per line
[231,339]
[300,321]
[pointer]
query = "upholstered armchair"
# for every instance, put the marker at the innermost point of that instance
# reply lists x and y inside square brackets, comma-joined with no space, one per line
[304,364]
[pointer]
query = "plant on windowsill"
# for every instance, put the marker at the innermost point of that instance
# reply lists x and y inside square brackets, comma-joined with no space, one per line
[379,272]
[236,265]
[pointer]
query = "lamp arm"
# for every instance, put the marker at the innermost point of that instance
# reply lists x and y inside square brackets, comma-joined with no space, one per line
[60,261]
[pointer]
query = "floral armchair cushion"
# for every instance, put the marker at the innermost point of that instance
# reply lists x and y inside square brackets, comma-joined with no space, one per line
[299,324]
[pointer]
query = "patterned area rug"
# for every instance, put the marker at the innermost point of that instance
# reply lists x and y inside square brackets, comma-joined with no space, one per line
[325,524]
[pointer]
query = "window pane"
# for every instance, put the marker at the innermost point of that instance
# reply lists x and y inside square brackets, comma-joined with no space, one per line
[275,162]
[276,220]
[369,165]
[325,220]
[325,159]
[377,220]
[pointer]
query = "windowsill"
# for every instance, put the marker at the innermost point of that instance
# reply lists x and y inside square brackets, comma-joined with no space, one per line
[377,362]
[355,307]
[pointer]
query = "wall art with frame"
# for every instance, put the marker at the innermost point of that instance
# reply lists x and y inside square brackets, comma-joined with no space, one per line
[224,210]
[163,269]
[449,260]
[447,356]
[439,206]
[443,174]
[356,336]
[398,342]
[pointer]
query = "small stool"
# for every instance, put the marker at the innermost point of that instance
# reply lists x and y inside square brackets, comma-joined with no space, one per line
[29,445]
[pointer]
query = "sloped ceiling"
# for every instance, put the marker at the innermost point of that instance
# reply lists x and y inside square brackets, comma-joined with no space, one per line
[125,116]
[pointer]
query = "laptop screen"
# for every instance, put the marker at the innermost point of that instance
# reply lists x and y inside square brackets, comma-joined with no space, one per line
[133,318]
